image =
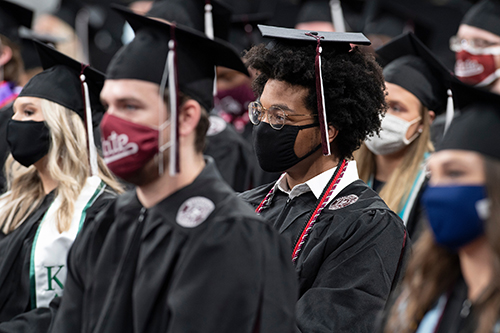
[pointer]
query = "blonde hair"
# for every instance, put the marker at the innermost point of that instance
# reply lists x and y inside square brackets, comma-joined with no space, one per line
[398,187]
[425,280]
[66,163]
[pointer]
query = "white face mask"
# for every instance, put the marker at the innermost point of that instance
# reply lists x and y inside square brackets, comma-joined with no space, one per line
[392,135]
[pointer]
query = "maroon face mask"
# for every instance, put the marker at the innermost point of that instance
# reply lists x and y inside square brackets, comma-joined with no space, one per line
[127,146]
[475,69]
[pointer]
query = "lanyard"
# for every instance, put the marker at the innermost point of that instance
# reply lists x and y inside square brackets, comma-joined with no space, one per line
[324,199]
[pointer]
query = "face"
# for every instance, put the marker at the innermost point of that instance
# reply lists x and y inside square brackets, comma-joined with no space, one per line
[291,99]
[456,167]
[403,104]
[28,108]
[482,39]
[138,102]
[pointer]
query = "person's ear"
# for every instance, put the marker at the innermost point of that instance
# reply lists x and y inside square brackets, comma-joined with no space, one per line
[5,55]
[332,132]
[432,116]
[189,117]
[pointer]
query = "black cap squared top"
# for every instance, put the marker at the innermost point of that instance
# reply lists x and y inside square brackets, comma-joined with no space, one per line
[191,13]
[287,34]
[478,126]
[12,17]
[484,15]
[144,58]
[60,81]
[243,33]
[412,66]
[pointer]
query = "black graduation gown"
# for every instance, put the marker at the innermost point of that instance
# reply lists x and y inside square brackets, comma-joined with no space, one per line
[232,154]
[351,260]
[15,255]
[137,270]
[5,114]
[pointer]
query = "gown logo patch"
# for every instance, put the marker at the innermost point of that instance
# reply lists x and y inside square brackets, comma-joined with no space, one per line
[194,211]
[217,125]
[343,202]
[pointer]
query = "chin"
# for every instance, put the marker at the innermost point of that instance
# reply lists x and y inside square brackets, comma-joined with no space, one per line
[148,173]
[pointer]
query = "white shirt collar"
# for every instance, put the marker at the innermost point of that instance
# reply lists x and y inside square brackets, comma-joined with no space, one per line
[317,184]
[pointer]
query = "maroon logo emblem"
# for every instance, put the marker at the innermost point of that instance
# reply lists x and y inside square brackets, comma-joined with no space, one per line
[344,202]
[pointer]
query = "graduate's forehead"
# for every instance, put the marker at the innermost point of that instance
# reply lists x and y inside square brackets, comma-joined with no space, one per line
[129,89]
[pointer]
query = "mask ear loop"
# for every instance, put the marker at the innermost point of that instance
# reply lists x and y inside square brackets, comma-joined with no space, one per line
[414,136]
[88,124]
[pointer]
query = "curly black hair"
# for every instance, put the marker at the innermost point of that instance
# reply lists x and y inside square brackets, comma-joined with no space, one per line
[353,85]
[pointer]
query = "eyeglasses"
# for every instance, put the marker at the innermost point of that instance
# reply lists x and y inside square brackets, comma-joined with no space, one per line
[458,44]
[275,115]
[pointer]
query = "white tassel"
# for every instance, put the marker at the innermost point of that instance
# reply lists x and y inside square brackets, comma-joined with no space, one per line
[90,129]
[161,117]
[337,15]
[209,31]
[450,111]
[327,134]
[209,22]
[173,109]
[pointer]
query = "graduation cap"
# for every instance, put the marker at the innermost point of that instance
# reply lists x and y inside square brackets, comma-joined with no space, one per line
[13,16]
[71,84]
[186,55]
[412,66]
[340,39]
[30,57]
[323,11]
[485,15]
[243,33]
[68,11]
[478,126]
[211,17]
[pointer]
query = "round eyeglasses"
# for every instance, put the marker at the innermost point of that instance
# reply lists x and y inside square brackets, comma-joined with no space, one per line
[276,116]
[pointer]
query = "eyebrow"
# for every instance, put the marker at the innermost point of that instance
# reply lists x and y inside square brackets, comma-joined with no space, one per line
[124,100]
[283,107]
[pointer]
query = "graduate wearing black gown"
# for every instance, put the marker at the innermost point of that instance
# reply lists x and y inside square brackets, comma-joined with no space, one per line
[196,259]
[33,255]
[232,154]
[348,247]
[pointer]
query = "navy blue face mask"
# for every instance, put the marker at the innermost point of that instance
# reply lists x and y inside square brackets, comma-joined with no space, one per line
[456,213]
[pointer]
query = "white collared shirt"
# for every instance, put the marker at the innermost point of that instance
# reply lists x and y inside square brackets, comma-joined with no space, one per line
[317,184]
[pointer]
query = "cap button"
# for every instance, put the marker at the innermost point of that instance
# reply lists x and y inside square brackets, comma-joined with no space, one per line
[314,33]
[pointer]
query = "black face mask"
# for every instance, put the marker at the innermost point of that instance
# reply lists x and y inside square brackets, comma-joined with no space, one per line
[28,141]
[275,148]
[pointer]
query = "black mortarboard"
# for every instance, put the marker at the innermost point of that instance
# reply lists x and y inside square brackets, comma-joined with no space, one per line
[244,34]
[322,11]
[68,10]
[71,84]
[317,10]
[144,58]
[477,128]
[342,40]
[192,13]
[60,81]
[485,15]
[13,16]
[30,57]
[412,66]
